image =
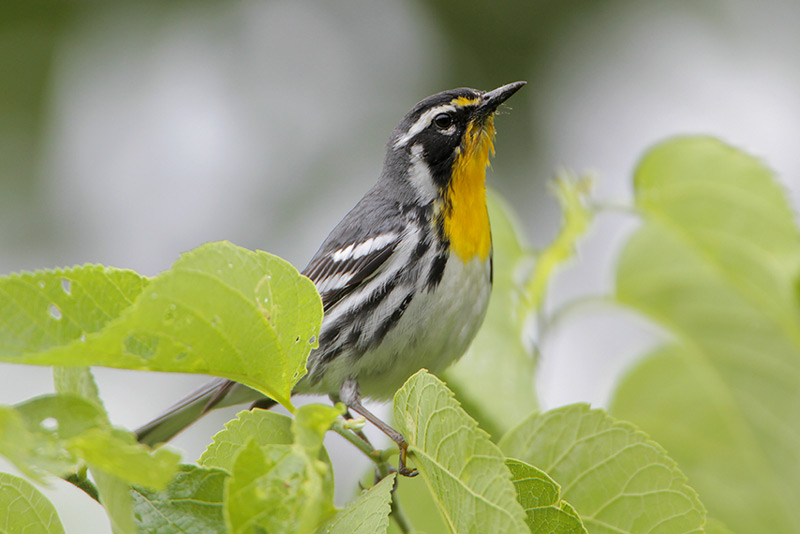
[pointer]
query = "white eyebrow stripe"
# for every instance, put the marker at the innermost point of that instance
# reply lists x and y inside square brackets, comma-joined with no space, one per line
[422,122]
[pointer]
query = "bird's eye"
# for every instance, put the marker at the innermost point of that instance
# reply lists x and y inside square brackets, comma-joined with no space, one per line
[443,121]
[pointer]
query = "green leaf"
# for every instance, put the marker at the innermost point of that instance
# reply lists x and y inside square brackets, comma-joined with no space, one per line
[717,264]
[33,436]
[540,497]
[275,488]
[281,476]
[499,345]
[725,204]
[714,526]
[464,470]
[112,491]
[59,430]
[70,415]
[617,479]
[534,487]
[191,503]
[368,513]
[265,427]
[119,454]
[220,310]
[571,193]
[116,499]
[77,380]
[23,509]
[17,443]
[418,504]
[81,481]
[51,308]
[683,402]
[310,424]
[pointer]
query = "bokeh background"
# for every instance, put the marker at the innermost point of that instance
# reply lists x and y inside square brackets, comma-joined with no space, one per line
[130,132]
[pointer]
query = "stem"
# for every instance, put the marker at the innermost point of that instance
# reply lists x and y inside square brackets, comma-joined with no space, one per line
[399,517]
[373,454]
[616,206]
[379,459]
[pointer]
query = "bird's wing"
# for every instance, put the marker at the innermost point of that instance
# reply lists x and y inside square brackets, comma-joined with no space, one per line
[336,272]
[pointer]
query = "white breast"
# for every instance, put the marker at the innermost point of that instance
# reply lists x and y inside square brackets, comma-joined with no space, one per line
[435,330]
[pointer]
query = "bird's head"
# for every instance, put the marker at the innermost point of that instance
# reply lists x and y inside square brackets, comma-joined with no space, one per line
[449,131]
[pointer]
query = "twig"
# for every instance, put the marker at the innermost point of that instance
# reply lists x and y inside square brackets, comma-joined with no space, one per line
[379,458]
[399,517]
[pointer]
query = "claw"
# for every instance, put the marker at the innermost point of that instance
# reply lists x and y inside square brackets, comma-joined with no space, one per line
[409,472]
[351,397]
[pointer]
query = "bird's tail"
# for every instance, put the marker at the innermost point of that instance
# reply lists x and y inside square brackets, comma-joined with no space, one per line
[217,393]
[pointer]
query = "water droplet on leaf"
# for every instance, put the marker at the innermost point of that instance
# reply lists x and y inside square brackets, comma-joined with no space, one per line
[49,423]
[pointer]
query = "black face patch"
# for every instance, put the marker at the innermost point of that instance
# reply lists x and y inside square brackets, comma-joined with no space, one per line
[437,126]
[439,148]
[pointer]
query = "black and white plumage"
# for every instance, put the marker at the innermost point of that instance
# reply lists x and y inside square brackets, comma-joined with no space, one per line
[402,286]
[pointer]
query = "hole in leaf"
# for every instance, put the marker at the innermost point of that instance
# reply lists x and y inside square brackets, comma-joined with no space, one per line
[55,313]
[66,286]
[312,340]
[297,340]
[49,423]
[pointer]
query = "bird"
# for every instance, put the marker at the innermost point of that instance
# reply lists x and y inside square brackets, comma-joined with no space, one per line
[406,275]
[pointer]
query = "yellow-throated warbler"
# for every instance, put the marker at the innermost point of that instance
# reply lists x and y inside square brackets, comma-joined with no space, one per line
[405,277]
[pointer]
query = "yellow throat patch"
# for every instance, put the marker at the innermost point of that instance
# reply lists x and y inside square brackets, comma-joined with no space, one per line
[466,219]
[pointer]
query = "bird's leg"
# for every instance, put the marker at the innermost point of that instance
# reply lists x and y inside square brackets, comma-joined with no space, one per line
[351,397]
[348,415]
[364,438]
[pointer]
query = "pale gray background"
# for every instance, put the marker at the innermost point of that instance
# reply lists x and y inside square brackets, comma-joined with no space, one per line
[153,129]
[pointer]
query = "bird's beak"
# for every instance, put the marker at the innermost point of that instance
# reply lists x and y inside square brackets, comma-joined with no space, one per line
[492,99]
